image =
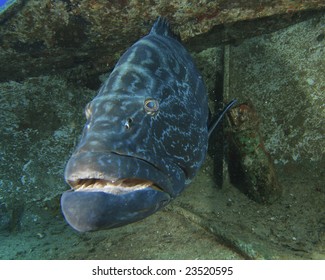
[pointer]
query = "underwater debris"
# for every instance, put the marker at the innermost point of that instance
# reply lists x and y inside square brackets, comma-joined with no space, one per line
[250,166]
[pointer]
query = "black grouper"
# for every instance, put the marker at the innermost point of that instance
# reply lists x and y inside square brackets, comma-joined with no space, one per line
[145,138]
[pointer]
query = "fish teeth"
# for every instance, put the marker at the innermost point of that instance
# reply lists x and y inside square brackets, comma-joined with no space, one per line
[117,187]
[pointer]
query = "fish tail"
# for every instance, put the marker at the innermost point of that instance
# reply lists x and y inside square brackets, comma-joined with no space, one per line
[162,27]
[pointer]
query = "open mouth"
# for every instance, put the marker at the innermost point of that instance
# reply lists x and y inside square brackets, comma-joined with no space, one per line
[118,187]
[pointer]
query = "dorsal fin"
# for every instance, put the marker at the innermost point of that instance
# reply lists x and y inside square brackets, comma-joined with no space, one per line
[162,27]
[215,123]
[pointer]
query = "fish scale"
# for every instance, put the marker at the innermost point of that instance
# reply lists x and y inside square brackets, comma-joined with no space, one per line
[147,127]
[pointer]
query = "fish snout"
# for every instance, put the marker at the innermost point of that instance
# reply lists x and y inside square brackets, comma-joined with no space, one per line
[108,191]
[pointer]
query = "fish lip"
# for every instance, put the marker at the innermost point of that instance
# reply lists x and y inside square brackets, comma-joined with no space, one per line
[90,171]
[97,210]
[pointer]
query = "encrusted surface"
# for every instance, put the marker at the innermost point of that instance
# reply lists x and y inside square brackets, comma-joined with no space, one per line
[82,38]
[283,75]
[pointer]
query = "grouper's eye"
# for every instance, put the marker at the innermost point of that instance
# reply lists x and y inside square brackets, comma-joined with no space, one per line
[151,106]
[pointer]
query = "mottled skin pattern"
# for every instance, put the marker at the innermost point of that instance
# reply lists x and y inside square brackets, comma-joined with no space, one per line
[148,121]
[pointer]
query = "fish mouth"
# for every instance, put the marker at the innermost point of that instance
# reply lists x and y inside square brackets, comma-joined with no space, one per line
[119,187]
[111,190]
[115,173]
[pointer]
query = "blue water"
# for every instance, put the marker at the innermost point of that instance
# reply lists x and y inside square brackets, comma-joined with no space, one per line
[4,4]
